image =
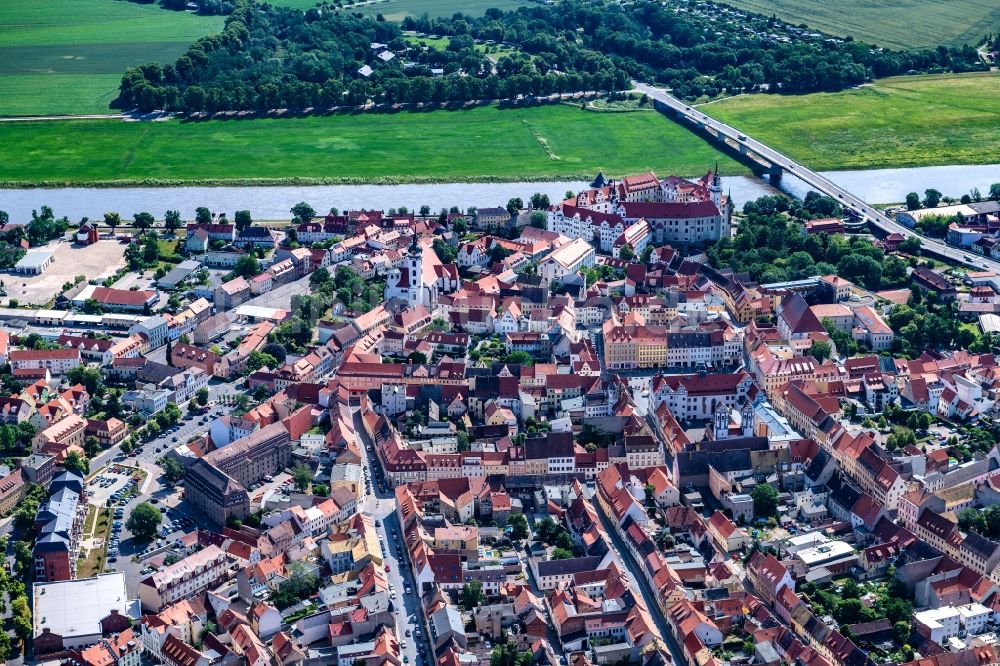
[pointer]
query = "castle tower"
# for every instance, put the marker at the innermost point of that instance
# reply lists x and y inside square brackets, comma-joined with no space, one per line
[715,189]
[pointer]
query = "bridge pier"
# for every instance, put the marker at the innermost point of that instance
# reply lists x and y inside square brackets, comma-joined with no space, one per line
[774,174]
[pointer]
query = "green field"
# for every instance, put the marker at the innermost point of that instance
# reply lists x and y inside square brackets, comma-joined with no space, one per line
[897,24]
[396,10]
[486,143]
[68,56]
[896,122]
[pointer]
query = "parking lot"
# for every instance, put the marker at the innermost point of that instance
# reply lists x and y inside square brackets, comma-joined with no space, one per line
[96,262]
[115,488]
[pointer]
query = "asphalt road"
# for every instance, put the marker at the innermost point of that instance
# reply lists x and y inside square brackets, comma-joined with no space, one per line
[816,181]
[381,505]
[624,560]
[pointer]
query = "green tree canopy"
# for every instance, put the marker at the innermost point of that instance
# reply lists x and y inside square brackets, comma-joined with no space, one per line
[144,521]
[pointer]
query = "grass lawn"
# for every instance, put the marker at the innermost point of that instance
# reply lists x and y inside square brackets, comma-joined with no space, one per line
[94,562]
[895,122]
[68,56]
[485,143]
[898,24]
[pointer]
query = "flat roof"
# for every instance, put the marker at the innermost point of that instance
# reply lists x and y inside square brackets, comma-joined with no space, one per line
[261,312]
[828,552]
[76,607]
[33,259]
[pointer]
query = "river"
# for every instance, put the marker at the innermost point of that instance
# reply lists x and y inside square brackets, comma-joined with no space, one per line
[273,202]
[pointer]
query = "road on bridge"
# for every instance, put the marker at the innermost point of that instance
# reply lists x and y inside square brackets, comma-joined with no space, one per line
[813,179]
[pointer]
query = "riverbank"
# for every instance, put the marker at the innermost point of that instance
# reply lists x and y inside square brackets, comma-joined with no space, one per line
[274,202]
[905,121]
[486,144]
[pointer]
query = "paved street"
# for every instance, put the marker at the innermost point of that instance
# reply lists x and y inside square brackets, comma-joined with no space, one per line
[624,560]
[381,504]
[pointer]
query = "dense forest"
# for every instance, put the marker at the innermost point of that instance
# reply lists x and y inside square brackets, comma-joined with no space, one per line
[274,57]
[699,48]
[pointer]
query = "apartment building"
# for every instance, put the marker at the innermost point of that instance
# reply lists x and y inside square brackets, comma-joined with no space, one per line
[191,576]
[56,361]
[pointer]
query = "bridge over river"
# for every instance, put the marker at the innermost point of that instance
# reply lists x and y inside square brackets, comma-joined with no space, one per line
[776,163]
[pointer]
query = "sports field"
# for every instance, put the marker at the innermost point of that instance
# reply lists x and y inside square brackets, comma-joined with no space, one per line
[895,122]
[897,24]
[486,143]
[68,56]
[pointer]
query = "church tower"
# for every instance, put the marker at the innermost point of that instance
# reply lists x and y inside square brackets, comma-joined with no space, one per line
[715,189]
[415,270]
[721,418]
[747,419]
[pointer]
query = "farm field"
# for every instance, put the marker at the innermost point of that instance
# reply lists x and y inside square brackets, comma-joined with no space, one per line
[897,24]
[895,122]
[396,10]
[68,56]
[486,143]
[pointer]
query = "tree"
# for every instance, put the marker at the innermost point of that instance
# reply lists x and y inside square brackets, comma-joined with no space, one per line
[202,215]
[303,211]
[538,219]
[472,596]
[143,220]
[820,350]
[514,204]
[144,520]
[173,470]
[995,192]
[5,646]
[91,378]
[76,463]
[912,201]
[242,219]
[518,527]
[302,476]
[172,220]
[201,397]
[258,360]
[539,200]
[910,245]
[22,617]
[931,198]
[519,357]
[416,357]
[506,654]
[319,277]
[765,501]
[112,220]
[247,266]
[626,253]
[299,585]
[562,554]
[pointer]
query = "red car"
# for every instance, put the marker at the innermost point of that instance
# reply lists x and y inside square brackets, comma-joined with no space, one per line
[387,567]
